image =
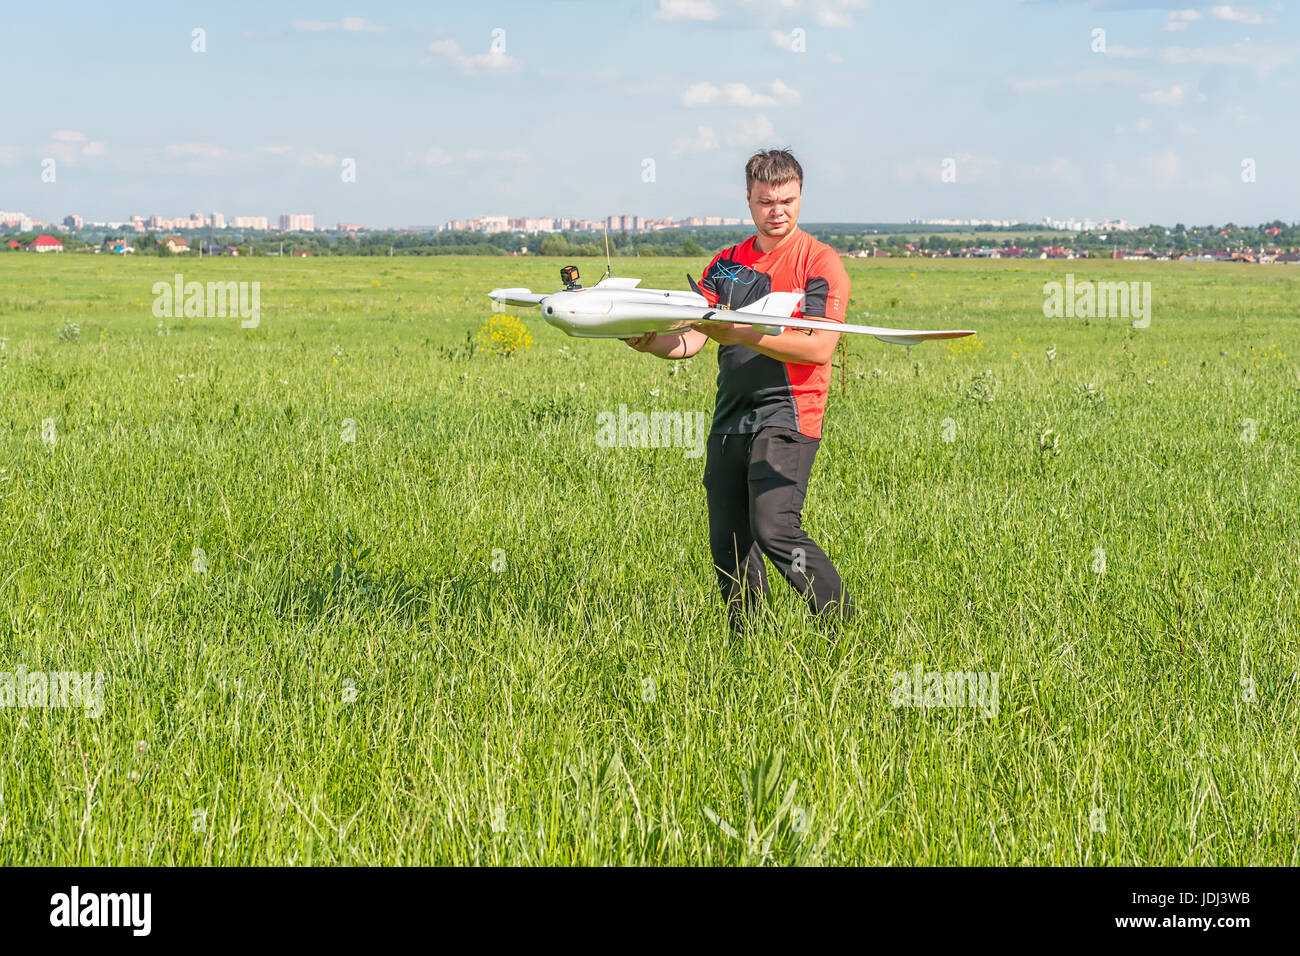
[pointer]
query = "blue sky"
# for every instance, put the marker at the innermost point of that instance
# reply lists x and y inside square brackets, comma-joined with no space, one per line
[560,117]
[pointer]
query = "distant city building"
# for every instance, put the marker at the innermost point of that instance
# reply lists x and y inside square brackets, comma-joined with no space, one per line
[218,221]
[489,224]
[533,224]
[349,227]
[613,223]
[249,222]
[72,222]
[297,222]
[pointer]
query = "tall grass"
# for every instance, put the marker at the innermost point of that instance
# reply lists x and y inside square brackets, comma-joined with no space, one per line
[472,635]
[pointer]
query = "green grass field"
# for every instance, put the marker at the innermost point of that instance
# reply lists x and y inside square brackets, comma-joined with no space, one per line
[473,635]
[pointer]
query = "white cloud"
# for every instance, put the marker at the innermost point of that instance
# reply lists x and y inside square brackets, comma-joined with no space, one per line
[833,14]
[197,158]
[700,94]
[1179,19]
[704,139]
[474,64]
[757,131]
[320,160]
[1237,14]
[785,95]
[437,156]
[1170,97]
[1259,57]
[202,150]
[1082,79]
[1163,169]
[829,14]
[347,24]
[360,25]
[500,156]
[68,146]
[739,94]
[687,10]
[275,150]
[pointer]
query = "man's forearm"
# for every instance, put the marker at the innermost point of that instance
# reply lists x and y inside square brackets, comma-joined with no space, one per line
[792,345]
[671,346]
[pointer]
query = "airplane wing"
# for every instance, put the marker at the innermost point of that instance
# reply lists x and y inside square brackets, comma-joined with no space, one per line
[524,297]
[778,305]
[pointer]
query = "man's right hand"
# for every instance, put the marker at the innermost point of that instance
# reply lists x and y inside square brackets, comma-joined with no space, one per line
[643,343]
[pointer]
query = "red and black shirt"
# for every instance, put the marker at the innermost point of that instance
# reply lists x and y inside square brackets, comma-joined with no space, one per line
[755,391]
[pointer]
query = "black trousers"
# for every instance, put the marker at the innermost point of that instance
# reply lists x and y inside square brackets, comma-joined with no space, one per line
[756,485]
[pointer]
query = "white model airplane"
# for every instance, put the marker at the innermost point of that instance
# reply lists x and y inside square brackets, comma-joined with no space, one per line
[616,309]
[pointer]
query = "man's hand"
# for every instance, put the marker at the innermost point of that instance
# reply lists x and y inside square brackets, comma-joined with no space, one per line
[643,343]
[724,333]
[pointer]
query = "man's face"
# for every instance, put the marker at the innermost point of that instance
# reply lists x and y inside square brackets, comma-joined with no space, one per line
[775,209]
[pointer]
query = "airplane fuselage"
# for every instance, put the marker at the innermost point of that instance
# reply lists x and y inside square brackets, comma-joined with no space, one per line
[597,314]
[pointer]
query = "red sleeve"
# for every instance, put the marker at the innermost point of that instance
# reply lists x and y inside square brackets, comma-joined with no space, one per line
[826,288]
[707,288]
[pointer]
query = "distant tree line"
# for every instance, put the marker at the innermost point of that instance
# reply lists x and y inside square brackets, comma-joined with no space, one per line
[692,242]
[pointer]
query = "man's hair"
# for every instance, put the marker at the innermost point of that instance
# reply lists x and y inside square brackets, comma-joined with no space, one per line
[774,167]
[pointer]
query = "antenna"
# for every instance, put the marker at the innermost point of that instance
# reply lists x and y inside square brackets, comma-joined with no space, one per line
[608,266]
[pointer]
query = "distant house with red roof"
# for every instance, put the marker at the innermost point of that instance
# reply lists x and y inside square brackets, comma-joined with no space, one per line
[176,244]
[14,244]
[45,244]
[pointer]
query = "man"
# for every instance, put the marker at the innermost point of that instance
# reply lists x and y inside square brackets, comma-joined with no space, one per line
[767,421]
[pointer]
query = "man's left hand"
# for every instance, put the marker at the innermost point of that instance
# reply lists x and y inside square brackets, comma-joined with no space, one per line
[724,333]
